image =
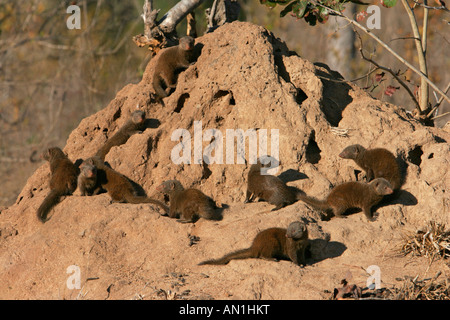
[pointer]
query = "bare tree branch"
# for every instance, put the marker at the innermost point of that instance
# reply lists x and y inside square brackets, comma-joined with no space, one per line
[438,103]
[394,74]
[384,45]
[158,34]
[170,20]
[425,5]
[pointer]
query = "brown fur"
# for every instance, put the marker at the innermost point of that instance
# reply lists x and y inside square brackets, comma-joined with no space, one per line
[377,163]
[87,179]
[63,180]
[135,124]
[352,195]
[119,187]
[169,60]
[187,204]
[268,188]
[273,244]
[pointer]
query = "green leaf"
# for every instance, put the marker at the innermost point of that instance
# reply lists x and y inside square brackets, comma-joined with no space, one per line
[388,3]
[323,11]
[322,16]
[299,8]
[288,9]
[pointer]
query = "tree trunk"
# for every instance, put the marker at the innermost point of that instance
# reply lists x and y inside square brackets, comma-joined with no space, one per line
[341,44]
[421,51]
[222,11]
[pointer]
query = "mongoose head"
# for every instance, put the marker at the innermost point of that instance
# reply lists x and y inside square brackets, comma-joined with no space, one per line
[88,169]
[187,43]
[168,186]
[352,152]
[52,153]
[264,164]
[96,161]
[138,116]
[297,230]
[268,161]
[381,186]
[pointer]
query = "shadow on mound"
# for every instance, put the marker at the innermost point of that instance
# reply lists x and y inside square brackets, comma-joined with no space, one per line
[320,249]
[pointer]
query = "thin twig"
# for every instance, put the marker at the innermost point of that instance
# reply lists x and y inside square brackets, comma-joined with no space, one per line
[439,102]
[384,45]
[402,83]
[430,7]
[403,38]
[441,115]
[347,81]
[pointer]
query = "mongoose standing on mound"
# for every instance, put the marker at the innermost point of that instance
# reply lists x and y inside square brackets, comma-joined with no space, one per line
[87,179]
[273,244]
[353,194]
[118,186]
[377,163]
[135,124]
[187,204]
[171,59]
[268,188]
[63,180]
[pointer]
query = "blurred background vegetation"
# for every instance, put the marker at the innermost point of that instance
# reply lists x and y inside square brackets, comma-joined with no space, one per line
[52,77]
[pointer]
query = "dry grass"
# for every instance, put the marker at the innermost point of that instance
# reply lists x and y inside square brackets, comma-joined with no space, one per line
[433,242]
[409,289]
[426,289]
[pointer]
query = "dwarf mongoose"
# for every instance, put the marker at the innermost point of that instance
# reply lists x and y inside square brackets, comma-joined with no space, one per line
[377,163]
[353,194]
[87,179]
[268,188]
[118,186]
[135,124]
[63,180]
[171,59]
[187,204]
[273,244]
